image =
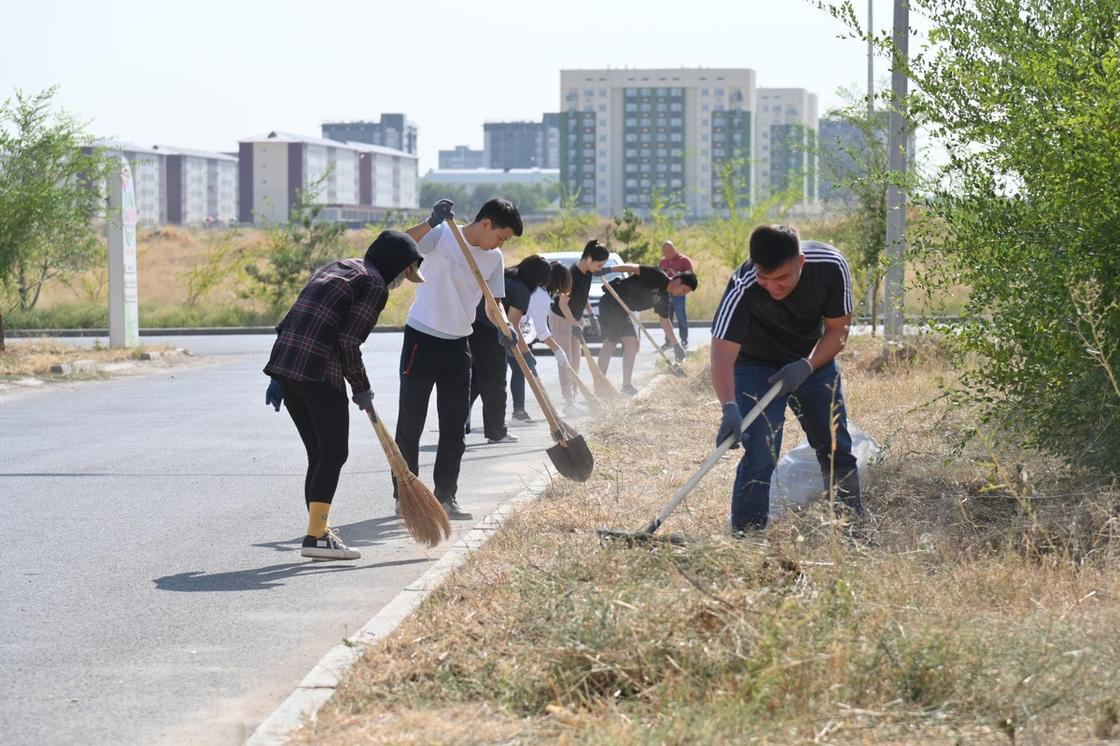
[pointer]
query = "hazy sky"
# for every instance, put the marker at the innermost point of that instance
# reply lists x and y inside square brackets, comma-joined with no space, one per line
[202,74]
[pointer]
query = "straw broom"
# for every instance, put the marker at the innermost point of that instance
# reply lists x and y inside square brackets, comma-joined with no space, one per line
[593,402]
[603,385]
[423,516]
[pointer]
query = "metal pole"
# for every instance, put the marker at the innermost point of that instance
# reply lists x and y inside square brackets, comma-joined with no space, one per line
[896,200]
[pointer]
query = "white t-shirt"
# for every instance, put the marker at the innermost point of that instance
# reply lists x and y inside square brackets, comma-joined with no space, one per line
[446,301]
[537,317]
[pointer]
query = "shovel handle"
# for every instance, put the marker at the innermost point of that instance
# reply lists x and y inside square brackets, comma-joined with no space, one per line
[730,440]
[673,366]
[558,428]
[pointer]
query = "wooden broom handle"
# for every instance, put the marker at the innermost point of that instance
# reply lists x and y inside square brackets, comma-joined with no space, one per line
[496,309]
[393,454]
[634,317]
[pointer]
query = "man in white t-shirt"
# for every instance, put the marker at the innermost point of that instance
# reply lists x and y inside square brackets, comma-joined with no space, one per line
[436,351]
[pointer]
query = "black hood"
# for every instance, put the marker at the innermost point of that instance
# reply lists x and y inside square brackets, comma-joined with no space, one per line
[391,253]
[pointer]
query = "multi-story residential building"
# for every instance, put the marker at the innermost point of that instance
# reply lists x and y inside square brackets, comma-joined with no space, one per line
[276,167]
[148,178]
[629,137]
[462,157]
[391,131]
[522,144]
[492,176]
[785,143]
[201,186]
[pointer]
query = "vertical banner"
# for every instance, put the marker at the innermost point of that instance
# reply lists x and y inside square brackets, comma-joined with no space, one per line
[124,318]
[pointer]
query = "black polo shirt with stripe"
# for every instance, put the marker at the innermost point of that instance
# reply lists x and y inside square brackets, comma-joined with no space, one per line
[776,332]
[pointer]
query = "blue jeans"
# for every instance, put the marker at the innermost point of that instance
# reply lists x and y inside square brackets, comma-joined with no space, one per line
[516,384]
[815,404]
[676,308]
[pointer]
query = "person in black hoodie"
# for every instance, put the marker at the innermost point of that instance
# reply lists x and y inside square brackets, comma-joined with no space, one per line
[318,347]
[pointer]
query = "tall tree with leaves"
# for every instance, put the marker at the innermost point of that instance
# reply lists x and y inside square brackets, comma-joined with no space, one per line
[49,195]
[294,251]
[1024,96]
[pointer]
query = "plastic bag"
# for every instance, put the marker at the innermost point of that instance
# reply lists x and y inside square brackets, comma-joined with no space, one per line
[797,480]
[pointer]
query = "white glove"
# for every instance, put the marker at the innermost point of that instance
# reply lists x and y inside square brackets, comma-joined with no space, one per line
[561,357]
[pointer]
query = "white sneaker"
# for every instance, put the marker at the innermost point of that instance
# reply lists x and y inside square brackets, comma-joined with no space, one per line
[507,438]
[328,547]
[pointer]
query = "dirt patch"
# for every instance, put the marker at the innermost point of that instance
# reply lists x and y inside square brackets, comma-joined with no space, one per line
[41,360]
[979,612]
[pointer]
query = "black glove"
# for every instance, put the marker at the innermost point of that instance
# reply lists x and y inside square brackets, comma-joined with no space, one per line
[577,333]
[530,361]
[593,327]
[441,211]
[510,339]
[791,376]
[731,424]
[273,395]
[364,400]
[678,352]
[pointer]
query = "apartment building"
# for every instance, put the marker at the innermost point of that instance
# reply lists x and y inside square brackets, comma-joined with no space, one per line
[786,143]
[200,186]
[629,135]
[390,131]
[147,166]
[461,157]
[522,144]
[277,166]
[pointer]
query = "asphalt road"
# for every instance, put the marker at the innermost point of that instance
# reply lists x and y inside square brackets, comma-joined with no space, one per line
[151,588]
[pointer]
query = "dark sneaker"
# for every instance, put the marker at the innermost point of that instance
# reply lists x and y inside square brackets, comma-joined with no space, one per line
[454,512]
[522,417]
[628,389]
[667,346]
[507,438]
[328,547]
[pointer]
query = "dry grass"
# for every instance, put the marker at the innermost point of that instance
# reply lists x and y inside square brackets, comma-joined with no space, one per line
[25,358]
[984,612]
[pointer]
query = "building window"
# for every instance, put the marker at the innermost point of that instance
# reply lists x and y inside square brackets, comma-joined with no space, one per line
[719,92]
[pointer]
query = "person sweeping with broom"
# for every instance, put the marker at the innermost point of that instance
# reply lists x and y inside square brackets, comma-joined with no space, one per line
[317,348]
[782,320]
[436,353]
[646,287]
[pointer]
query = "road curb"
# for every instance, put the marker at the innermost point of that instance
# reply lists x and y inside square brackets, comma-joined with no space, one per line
[320,683]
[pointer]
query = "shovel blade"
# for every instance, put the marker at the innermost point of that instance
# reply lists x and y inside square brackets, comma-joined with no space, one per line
[572,458]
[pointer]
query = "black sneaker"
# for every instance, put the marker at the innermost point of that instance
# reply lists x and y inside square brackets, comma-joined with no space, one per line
[522,416]
[628,389]
[454,512]
[328,547]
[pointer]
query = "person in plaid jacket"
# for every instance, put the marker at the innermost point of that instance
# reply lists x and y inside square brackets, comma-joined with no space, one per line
[317,348]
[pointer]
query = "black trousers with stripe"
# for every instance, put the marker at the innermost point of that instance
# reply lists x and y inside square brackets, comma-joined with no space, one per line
[444,364]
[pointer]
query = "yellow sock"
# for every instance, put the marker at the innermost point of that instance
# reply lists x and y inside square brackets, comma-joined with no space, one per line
[317,518]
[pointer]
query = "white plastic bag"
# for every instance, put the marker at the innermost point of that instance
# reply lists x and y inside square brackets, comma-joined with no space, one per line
[797,479]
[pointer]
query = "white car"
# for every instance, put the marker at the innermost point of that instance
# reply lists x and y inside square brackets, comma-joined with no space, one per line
[571,257]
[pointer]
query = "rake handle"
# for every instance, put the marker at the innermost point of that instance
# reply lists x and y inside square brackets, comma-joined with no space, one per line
[558,429]
[705,467]
[673,366]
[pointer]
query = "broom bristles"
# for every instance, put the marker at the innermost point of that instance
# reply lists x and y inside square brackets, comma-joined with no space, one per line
[423,516]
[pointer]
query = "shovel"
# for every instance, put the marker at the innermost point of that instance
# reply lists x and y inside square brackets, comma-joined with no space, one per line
[673,365]
[571,456]
[647,533]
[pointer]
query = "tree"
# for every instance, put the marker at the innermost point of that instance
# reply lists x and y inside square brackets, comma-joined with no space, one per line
[861,168]
[1024,96]
[50,193]
[729,235]
[294,251]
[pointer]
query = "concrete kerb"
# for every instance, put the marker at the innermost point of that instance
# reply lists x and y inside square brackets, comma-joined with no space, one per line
[320,683]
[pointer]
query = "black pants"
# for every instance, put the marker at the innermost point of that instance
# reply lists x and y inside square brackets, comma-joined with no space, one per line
[322,418]
[428,361]
[488,379]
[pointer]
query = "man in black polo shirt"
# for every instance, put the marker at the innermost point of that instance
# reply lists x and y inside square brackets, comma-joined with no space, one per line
[646,287]
[783,319]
